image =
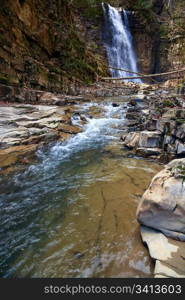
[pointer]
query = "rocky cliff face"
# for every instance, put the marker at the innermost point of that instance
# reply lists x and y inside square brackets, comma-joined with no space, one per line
[159,33]
[49,44]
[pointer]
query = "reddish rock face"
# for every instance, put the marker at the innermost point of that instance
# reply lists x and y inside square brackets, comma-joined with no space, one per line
[55,46]
[49,45]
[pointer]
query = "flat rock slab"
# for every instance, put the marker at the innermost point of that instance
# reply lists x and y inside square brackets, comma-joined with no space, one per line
[20,122]
[169,254]
[23,125]
[150,139]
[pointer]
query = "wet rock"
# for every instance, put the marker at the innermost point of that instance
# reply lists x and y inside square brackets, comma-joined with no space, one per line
[76,116]
[175,113]
[95,111]
[171,149]
[132,115]
[162,205]
[72,129]
[145,143]
[151,125]
[131,140]
[179,147]
[76,99]
[133,109]
[81,118]
[115,104]
[78,255]
[145,152]
[140,98]
[150,139]
[163,270]
[84,118]
[131,123]
[52,99]
[166,126]
[144,86]
[6,92]
[12,155]
[25,124]
[138,102]
[145,112]
[168,140]
[167,253]
[157,243]
[161,127]
[180,133]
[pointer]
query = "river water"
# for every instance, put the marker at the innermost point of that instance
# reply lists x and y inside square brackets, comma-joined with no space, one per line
[72,212]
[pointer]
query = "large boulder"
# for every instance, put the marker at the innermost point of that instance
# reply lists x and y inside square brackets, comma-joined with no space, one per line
[150,139]
[143,139]
[162,206]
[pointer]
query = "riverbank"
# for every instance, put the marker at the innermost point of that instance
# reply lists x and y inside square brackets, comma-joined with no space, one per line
[156,129]
[86,179]
[156,126]
[26,128]
[161,211]
[32,118]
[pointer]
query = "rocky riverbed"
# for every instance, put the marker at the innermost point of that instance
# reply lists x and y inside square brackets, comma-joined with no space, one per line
[25,127]
[156,126]
[156,129]
[86,179]
[45,117]
[153,128]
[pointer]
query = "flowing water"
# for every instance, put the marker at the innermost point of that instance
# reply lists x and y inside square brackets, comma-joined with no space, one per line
[72,213]
[119,42]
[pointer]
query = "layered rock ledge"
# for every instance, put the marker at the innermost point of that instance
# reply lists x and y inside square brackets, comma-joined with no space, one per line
[25,127]
[156,126]
[167,253]
[162,212]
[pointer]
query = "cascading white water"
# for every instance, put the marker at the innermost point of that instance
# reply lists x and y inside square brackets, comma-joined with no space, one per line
[119,42]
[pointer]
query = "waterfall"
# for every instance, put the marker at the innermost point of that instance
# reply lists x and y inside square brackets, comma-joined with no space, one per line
[119,42]
[170,5]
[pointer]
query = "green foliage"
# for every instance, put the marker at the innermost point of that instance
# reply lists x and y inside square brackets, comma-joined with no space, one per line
[145,10]
[180,172]
[143,4]
[89,8]
[180,121]
[168,103]
[164,30]
[3,79]
[178,17]
[77,60]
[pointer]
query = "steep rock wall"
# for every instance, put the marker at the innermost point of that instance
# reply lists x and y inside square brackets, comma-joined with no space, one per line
[159,33]
[49,44]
